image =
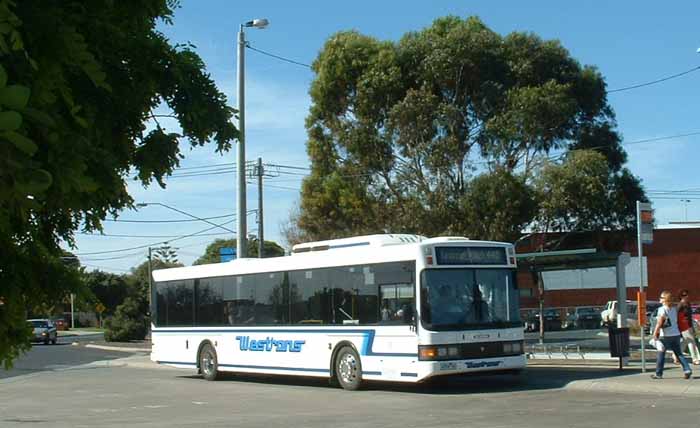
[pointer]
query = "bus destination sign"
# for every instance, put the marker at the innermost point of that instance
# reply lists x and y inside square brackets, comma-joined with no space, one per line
[471,255]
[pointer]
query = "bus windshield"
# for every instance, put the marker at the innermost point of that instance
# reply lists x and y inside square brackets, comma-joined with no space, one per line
[462,299]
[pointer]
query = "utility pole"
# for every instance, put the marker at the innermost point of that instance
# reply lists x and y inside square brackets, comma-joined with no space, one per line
[72,311]
[261,243]
[150,282]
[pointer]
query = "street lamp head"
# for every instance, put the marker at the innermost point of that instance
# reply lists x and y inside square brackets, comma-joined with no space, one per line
[257,23]
[141,205]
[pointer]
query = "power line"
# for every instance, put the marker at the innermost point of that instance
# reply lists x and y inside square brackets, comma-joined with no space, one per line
[281,187]
[106,267]
[653,82]
[281,58]
[232,164]
[170,221]
[155,243]
[116,235]
[200,174]
[276,165]
[670,137]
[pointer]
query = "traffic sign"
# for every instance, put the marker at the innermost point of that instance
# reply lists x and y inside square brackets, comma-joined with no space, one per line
[100,308]
[645,221]
[227,254]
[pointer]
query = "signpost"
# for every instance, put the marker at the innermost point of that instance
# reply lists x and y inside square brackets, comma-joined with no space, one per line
[99,308]
[645,235]
[227,254]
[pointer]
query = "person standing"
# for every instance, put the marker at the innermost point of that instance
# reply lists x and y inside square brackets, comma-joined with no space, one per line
[685,325]
[667,332]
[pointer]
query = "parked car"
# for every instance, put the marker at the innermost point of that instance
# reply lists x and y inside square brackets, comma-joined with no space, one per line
[552,319]
[531,320]
[609,314]
[652,307]
[60,324]
[585,318]
[44,331]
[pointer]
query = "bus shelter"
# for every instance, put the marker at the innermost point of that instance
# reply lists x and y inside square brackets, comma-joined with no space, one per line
[538,263]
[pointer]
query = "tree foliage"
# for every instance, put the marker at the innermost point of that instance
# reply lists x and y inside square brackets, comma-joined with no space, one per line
[79,82]
[128,323]
[108,289]
[447,132]
[211,253]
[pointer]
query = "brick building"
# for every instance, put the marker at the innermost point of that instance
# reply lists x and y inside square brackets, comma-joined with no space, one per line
[672,260]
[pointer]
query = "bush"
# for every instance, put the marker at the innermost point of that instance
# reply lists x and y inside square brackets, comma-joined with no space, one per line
[128,322]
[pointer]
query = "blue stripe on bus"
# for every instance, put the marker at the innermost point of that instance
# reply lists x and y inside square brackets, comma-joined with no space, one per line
[409,374]
[176,362]
[365,349]
[295,369]
[241,366]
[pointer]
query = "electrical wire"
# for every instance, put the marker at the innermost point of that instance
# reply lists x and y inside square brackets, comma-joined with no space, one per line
[169,221]
[116,235]
[155,243]
[232,164]
[653,82]
[281,58]
[105,267]
[282,187]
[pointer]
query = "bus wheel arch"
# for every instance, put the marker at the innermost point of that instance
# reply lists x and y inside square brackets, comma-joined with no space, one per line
[346,366]
[207,360]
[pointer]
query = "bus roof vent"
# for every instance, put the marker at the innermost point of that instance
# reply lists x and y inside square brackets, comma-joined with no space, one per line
[358,241]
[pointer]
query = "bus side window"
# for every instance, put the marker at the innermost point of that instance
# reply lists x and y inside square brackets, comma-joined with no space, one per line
[397,303]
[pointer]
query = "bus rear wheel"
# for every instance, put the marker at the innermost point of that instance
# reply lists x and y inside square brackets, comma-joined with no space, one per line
[348,369]
[208,362]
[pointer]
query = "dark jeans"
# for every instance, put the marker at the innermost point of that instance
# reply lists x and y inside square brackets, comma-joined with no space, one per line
[673,344]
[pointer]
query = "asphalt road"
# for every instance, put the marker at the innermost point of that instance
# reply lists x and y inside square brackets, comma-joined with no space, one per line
[60,356]
[117,396]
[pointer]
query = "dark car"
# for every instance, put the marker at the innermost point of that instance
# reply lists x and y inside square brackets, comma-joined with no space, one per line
[531,321]
[44,331]
[586,318]
[552,319]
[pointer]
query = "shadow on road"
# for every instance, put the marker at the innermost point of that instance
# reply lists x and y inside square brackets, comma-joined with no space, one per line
[532,379]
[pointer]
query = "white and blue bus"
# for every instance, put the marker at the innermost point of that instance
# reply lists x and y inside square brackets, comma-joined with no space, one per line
[380,307]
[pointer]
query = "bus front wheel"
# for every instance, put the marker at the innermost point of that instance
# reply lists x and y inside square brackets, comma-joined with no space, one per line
[208,363]
[348,369]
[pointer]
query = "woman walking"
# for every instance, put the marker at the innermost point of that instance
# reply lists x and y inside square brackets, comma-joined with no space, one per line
[667,332]
[685,325]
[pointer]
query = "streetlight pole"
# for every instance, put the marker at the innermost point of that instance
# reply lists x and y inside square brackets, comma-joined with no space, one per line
[685,205]
[241,241]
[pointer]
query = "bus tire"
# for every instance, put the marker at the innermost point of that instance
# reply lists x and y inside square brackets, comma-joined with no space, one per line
[208,362]
[348,369]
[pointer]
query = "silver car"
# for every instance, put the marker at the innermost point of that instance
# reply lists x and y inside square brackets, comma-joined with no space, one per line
[44,331]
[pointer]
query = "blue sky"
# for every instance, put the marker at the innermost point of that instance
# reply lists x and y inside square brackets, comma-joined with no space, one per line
[629,41]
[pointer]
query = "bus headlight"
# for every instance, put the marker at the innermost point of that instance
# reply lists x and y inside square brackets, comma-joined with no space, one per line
[427,352]
[453,351]
[512,348]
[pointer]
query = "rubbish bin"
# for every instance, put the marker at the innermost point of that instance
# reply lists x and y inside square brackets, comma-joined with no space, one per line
[619,339]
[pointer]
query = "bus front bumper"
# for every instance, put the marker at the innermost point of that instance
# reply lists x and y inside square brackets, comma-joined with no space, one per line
[429,369]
